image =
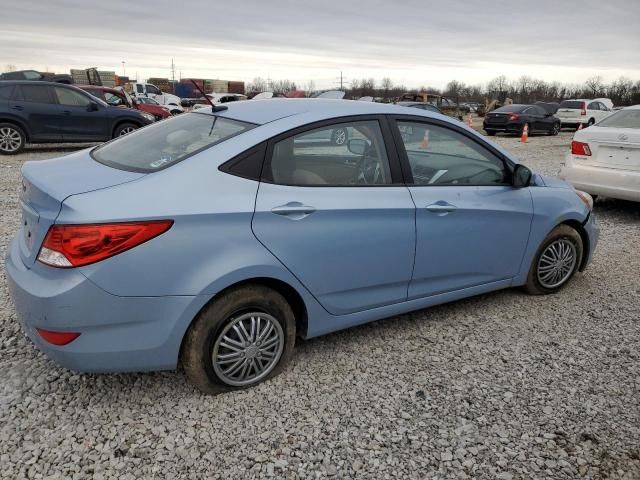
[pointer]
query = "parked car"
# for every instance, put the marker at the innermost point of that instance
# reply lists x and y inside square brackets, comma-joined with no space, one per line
[219,98]
[605,158]
[46,112]
[118,97]
[572,113]
[513,118]
[34,75]
[421,105]
[242,238]
[444,104]
[148,90]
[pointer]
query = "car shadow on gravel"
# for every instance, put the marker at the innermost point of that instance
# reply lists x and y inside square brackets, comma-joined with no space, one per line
[623,210]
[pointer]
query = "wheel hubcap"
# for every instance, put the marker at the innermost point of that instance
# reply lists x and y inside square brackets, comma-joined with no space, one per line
[341,136]
[556,263]
[10,139]
[247,349]
[126,131]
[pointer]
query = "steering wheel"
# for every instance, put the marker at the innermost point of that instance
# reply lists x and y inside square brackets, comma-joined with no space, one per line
[369,172]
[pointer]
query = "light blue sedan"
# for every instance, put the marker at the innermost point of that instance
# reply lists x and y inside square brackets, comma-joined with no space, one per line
[215,238]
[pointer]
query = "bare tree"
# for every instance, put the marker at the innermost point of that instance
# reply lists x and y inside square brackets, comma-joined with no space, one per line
[386,85]
[10,67]
[310,88]
[258,84]
[594,85]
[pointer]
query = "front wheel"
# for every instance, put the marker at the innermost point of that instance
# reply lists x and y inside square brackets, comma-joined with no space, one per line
[239,340]
[556,261]
[339,136]
[12,139]
[555,129]
[124,129]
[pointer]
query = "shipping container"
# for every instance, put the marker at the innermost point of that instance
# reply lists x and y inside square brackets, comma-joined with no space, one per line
[236,87]
[218,86]
[185,90]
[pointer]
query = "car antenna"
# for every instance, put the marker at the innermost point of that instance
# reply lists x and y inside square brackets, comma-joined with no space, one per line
[214,108]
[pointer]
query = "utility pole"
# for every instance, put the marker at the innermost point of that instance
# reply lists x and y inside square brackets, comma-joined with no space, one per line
[341,79]
[124,74]
[173,77]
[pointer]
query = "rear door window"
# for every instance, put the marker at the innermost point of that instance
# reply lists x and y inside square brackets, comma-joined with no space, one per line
[71,98]
[37,94]
[165,143]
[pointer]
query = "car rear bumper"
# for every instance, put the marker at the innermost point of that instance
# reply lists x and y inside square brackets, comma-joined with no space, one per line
[506,127]
[117,334]
[608,182]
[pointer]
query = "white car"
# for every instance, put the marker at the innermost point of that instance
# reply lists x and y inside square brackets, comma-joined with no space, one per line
[220,98]
[572,113]
[605,158]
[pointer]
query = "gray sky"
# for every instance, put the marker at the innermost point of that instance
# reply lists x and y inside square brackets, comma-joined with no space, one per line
[412,42]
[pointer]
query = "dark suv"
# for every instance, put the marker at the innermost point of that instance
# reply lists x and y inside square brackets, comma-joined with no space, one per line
[46,112]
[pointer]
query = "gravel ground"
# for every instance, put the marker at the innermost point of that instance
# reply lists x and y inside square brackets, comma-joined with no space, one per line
[501,386]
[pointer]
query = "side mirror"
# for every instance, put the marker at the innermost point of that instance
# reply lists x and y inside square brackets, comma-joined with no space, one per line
[521,176]
[357,146]
[92,107]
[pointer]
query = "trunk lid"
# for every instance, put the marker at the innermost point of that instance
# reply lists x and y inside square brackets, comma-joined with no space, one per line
[47,183]
[617,148]
[497,118]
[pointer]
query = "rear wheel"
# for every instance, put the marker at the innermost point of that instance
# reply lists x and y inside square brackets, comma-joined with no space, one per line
[124,129]
[555,129]
[556,261]
[12,139]
[239,340]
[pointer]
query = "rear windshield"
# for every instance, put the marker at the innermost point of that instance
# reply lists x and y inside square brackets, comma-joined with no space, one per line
[577,104]
[511,108]
[622,119]
[167,142]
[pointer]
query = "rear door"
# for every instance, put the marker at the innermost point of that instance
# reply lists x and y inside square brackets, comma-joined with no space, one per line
[81,118]
[36,104]
[339,216]
[472,225]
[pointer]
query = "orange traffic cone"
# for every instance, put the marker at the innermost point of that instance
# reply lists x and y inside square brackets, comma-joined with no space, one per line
[425,140]
[525,133]
[580,126]
[469,121]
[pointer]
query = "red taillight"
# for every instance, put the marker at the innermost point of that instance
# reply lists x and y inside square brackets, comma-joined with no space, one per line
[580,148]
[514,116]
[57,338]
[67,246]
[584,108]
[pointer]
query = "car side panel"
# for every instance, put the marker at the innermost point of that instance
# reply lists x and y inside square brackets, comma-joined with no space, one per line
[551,207]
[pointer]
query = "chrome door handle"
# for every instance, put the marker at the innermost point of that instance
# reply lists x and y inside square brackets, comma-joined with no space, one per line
[293,208]
[441,208]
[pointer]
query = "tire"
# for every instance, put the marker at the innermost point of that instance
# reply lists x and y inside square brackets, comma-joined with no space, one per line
[563,238]
[591,122]
[175,112]
[339,136]
[491,133]
[205,338]
[555,130]
[12,139]
[124,129]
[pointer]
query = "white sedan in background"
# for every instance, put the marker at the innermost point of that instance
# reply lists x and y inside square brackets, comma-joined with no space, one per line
[605,158]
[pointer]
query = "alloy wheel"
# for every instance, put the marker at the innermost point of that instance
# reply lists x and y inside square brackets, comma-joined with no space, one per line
[126,131]
[556,264]
[340,136]
[10,139]
[248,349]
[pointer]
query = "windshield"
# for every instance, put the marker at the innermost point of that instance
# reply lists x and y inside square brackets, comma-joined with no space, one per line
[165,143]
[622,119]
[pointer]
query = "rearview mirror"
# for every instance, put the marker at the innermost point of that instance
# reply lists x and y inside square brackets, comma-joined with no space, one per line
[92,107]
[521,176]
[357,146]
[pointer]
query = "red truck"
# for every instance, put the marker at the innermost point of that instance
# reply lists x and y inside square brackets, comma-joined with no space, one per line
[119,98]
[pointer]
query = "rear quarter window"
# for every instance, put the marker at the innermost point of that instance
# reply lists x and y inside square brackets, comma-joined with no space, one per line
[168,142]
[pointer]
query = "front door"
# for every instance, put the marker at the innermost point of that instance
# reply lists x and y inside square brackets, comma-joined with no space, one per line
[472,226]
[338,215]
[80,120]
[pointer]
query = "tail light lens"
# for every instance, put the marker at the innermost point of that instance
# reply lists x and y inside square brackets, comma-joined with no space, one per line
[57,338]
[584,108]
[68,246]
[580,148]
[514,116]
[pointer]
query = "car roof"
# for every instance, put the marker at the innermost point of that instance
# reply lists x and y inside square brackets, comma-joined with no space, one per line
[269,110]
[36,82]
